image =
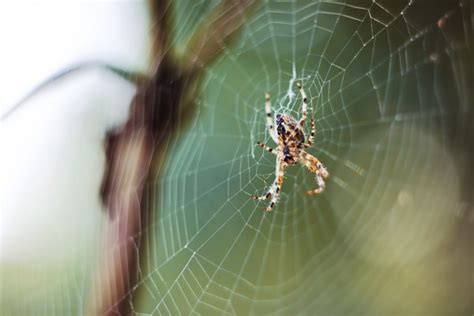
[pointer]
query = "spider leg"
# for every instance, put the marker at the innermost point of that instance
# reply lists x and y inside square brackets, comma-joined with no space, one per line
[321,185]
[269,118]
[315,166]
[309,143]
[275,188]
[305,103]
[267,148]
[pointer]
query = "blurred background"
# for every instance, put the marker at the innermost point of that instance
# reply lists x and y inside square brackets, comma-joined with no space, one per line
[390,89]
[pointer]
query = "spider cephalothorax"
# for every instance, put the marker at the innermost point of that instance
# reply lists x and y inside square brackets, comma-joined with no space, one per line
[289,135]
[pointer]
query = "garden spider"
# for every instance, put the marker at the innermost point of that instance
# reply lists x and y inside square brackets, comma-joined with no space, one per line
[290,138]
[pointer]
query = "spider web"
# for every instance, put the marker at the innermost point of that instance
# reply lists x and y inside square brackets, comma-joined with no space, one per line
[386,81]
[382,77]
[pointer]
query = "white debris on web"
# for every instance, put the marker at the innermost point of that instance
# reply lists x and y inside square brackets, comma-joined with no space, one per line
[291,94]
[252,136]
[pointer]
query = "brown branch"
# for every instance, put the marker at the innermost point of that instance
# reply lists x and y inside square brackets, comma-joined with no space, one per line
[136,153]
[216,32]
[161,14]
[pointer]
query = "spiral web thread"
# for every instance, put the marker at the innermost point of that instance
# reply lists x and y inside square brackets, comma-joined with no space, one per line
[374,71]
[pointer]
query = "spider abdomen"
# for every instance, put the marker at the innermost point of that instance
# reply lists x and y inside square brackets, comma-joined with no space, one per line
[291,138]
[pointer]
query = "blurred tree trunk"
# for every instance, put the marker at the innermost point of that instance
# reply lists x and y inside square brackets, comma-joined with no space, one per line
[136,152]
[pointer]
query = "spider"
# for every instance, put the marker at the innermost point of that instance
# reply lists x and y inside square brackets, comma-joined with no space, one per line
[290,137]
